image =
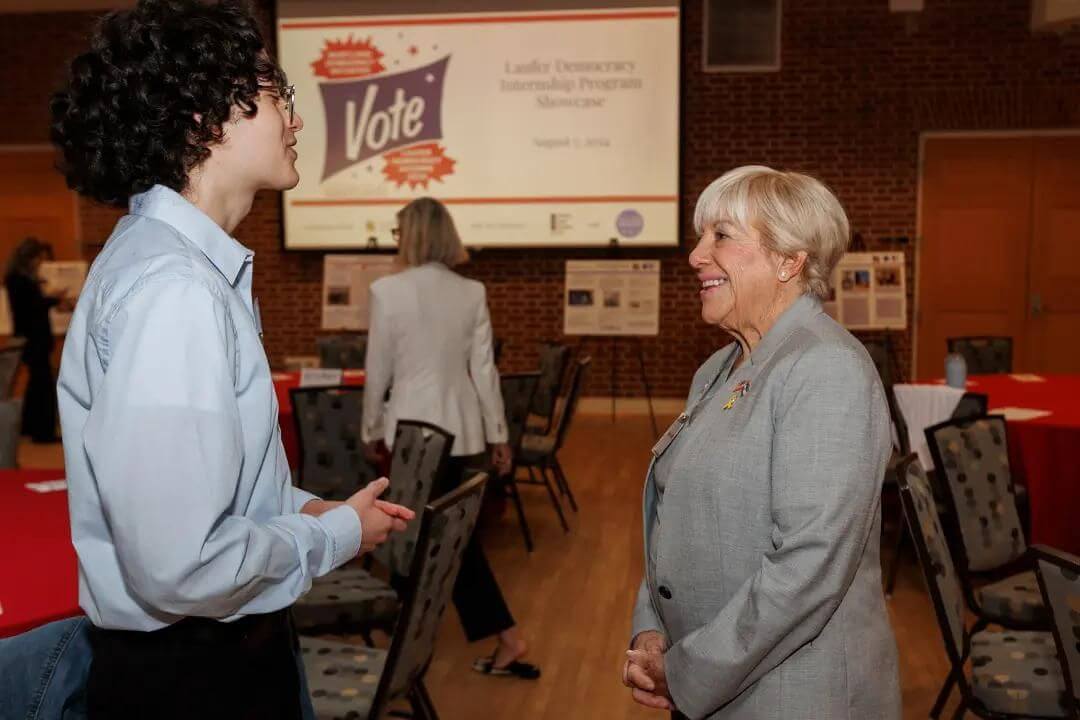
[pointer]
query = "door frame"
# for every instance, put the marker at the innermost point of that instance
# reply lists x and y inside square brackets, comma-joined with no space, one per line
[936,134]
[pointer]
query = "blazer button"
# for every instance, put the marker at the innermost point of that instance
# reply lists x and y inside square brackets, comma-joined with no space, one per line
[664,592]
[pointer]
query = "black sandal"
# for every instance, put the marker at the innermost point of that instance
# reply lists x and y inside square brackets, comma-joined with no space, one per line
[518,669]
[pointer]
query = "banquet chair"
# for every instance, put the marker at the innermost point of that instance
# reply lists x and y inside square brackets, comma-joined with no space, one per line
[346,351]
[971,405]
[1014,673]
[983,355]
[540,453]
[328,419]
[351,598]
[518,390]
[350,681]
[1059,581]
[972,460]
[554,360]
[10,357]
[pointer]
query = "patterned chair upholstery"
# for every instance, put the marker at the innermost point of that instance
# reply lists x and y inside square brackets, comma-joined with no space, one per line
[1013,673]
[346,351]
[983,355]
[10,357]
[972,458]
[351,598]
[328,420]
[348,681]
[553,361]
[1059,580]
[517,393]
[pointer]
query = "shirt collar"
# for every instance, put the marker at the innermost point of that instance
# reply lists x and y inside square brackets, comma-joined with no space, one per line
[168,206]
[800,312]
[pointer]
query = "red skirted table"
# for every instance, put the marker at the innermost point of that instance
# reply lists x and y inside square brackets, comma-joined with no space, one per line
[283,383]
[1043,450]
[38,570]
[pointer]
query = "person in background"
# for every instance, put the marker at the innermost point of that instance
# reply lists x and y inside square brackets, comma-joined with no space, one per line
[192,542]
[30,306]
[430,337]
[761,597]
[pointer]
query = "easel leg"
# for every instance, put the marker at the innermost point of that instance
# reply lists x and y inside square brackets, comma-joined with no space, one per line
[648,388]
[614,363]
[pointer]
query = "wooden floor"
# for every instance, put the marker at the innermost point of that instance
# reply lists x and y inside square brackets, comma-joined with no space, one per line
[573,595]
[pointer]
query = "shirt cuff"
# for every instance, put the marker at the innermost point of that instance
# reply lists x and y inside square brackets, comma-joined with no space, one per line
[342,525]
[301,498]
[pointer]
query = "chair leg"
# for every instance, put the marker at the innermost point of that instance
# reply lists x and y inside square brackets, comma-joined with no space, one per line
[546,482]
[943,695]
[961,710]
[511,485]
[894,567]
[563,483]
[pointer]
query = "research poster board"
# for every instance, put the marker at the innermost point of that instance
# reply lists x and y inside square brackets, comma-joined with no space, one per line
[869,291]
[537,127]
[612,297]
[65,278]
[346,280]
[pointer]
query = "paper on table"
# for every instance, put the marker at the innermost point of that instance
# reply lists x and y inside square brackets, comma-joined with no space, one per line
[1019,414]
[47,486]
[1027,377]
[320,377]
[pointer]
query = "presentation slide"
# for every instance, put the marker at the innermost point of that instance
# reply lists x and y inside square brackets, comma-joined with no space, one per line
[537,127]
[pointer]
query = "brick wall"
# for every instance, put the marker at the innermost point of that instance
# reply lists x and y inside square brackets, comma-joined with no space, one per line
[857,87]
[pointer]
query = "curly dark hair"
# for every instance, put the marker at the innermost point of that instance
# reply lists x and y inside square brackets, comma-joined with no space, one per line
[145,103]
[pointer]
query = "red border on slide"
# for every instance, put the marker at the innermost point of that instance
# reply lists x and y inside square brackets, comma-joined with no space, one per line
[484,19]
[493,200]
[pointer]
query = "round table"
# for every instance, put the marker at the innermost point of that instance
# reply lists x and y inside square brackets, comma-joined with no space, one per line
[283,383]
[1043,450]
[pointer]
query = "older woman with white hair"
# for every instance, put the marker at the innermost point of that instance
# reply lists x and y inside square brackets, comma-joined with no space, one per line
[762,591]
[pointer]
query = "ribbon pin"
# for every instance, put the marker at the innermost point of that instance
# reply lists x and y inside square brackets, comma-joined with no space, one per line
[740,390]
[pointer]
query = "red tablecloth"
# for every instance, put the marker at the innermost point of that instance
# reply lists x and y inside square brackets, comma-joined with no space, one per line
[38,569]
[283,382]
[1043,451]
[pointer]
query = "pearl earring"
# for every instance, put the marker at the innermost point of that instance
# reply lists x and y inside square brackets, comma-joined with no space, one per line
[783,276]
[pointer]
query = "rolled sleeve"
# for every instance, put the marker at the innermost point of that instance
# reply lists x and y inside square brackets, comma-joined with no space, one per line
[344,533]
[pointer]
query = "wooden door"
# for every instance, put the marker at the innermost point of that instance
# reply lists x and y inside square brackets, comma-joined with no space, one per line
[1054,284]
[976,221]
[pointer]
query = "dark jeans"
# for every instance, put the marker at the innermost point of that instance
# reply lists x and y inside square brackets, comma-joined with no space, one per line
[197,668]
[477,597]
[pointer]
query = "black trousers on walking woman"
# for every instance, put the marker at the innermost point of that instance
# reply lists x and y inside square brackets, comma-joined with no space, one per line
[477,597]
[39,402]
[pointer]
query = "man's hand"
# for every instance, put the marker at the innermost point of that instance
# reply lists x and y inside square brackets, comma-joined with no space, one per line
[644,671]
[377,518]
[502,458]
[371,452]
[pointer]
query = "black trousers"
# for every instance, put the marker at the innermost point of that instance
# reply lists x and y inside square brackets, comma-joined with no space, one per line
[197,668]
[39,402]
[477,597]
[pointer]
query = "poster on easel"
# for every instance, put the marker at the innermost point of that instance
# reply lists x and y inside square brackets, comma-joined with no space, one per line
[869,291]
[612,297]
[64,278]
[346,279]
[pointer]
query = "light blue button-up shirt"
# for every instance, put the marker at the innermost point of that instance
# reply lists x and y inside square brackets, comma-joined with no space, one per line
[179,490]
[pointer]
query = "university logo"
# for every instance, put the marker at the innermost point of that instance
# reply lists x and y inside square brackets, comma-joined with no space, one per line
[393,117]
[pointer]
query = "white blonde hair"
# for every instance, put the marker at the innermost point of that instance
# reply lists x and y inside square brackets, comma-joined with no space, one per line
[792,212]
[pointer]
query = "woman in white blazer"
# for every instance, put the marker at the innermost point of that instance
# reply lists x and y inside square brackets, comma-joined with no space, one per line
[429,336]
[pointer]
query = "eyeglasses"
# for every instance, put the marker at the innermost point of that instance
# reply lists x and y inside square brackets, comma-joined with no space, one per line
[288,94]
[395,233]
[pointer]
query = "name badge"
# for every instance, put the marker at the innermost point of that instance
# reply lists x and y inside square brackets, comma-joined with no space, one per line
[670,434]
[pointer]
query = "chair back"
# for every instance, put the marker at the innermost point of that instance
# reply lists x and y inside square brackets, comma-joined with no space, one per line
[10,427]
[518,391]
[983,355]
[1059,580]
[972,457]
[445,529]
[572,396]
[346,351]
[10,357]
[328,420]
[971,405]
[553,361]
[418,460]
[931,546]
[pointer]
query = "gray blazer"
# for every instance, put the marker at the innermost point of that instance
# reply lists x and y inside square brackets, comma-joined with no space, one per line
[767,575]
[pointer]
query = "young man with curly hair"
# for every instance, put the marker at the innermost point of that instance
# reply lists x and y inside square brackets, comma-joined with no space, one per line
[192,541]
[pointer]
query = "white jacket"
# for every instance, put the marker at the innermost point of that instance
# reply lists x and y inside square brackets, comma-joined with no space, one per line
[429,336]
